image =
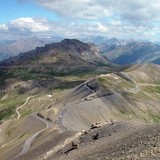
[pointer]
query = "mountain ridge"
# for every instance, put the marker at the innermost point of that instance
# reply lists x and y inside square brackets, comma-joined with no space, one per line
[54,52]
[10,48]
[131,53]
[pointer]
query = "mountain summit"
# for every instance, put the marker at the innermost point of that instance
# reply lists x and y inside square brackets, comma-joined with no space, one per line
[67,53]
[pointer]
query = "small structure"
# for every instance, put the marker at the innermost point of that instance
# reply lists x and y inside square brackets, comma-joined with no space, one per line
[49,95]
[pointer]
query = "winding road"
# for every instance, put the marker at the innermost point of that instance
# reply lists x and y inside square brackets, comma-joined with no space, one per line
[18,116]
[60,116]
[17,110]
[88,87]
[134,90]
[29,141]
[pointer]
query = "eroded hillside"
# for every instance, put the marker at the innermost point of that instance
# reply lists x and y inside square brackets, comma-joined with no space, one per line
[43,111]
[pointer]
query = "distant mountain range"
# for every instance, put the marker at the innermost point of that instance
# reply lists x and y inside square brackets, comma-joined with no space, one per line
[99,40]
[10,48]
[117,51]
[130,52]
[69,53]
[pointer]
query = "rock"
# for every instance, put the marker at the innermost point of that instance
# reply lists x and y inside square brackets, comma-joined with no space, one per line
[96,136]
[95,125]
[49,106]
[84,132]
[111,122]
[75,145]
[48,119]
[40,115]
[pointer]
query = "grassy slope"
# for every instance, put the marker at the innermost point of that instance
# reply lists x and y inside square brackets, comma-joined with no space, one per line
[147,96]
[145,100]
[131,95]
[17,95]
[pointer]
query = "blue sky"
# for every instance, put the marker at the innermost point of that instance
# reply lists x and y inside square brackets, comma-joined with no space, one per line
[76,18]
[14,9]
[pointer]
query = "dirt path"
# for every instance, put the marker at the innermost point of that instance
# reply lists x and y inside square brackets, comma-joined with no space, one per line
[134,90]
[87,86]
[17,110]
[148,84]
[29,141]
[60,116]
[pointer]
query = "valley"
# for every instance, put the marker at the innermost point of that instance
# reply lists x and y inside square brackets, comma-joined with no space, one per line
[67,101]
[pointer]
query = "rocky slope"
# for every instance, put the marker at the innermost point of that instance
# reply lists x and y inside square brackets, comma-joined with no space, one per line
[114,141]
[13,48]
[132,52]
[114,115]
[129,95]
[68,54]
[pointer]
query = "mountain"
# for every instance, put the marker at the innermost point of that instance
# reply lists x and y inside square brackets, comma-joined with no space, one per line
[10,48]
[67,101]
[99,40]
[109,116]
[20,46]
[129,51]
[130,94]
[6,42]
[69,53]
[132,52]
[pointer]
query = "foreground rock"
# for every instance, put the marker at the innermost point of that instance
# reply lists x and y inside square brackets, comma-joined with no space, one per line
[116,142]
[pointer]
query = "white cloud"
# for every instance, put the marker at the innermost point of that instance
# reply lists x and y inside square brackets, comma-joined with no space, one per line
[30,24]
[3,27]
[74,29]
[134,11]
[83,9]
[97,27]
[114,18]
[115,22]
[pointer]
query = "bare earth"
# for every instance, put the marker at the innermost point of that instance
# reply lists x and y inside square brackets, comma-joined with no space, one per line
[128,113]
[116,141]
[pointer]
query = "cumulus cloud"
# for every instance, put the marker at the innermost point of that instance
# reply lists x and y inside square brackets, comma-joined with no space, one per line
[133,10]
[83,9]
[29,24]
[24,26]
[112,18]
[3,27]
[97,27]
[130,10]
[75,29]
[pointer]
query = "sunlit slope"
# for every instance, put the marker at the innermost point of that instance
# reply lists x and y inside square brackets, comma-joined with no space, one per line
[131,95]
